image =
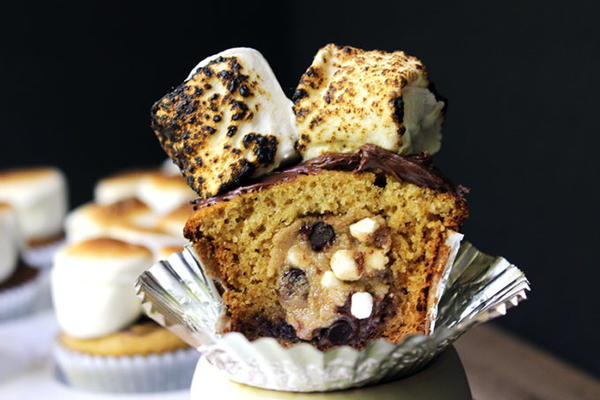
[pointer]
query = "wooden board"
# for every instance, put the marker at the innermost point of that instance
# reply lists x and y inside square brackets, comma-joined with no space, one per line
[501,366]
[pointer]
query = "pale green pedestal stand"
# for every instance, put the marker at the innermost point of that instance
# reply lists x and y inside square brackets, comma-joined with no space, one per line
[443,379]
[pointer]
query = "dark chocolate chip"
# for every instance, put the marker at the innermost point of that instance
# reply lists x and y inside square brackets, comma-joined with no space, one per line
[293,283]
[380,180]
[382,237]
[340,332]
[321,235]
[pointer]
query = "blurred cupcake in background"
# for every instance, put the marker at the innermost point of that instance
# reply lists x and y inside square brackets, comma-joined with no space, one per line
[147,207]
[19,283]
[120,186]
[105,344]
[39,198]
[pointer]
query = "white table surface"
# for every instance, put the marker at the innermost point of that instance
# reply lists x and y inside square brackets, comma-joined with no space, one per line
[26,370]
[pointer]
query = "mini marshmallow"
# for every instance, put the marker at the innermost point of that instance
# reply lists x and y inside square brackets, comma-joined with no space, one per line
[164,193]
[363,229]
[295,256]
[375,259]
[361,305]
[92,286]
[120,186]
[328,280]
[39,197]
[344,265]
[9,241]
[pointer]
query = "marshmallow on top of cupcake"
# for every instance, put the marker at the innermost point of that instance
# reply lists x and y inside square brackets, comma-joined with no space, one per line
[136,217]
[99,317]
[9,245]
[144,207]
[92,282]
[39,198]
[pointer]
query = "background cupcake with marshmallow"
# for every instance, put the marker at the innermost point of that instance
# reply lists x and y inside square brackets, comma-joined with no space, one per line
[19,283]
[40,200]
[105,343]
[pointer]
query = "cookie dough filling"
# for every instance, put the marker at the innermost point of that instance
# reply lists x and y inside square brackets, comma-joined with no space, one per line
[332,270]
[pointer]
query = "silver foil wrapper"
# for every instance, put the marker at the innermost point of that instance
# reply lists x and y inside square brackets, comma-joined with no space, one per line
[179,295]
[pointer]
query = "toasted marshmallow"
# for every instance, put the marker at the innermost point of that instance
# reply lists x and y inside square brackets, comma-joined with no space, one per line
[164,193]
[39,197]
[228,122]
[119,186]
[174,222]
[95,220]
[92,286]
[9,241]
[349,97]
[152,237]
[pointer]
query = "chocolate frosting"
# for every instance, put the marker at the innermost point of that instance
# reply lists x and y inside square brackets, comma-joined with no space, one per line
[414,169]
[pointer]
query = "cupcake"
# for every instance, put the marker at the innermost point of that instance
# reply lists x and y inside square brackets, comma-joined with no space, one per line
[326,247]
[104,345]
[19,283]
[39,197]
[153,214]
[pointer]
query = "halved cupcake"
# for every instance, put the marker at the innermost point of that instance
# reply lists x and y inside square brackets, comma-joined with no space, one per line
[341,249]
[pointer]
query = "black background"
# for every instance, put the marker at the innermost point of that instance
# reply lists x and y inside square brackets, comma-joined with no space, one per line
[77,81]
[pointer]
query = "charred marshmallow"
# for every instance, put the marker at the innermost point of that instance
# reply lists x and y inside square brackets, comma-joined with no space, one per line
[228,122]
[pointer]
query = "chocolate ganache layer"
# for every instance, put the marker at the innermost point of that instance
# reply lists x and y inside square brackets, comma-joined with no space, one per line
[417,169]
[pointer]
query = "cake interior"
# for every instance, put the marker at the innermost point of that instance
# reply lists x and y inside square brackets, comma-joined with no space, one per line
[271,250]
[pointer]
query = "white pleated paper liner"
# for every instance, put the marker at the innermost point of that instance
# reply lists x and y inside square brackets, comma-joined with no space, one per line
[179,295]
[126,374]
[22,300]
[41,256]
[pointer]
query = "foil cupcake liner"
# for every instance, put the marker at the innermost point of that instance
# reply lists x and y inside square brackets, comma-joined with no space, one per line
[126,374]
[179,295]
[41,256]
[24,299]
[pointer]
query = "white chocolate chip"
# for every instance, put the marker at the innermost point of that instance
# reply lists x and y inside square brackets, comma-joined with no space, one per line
[344,265]
[328,280]
[362,229]
[361,305]
[375,259]
[295,256]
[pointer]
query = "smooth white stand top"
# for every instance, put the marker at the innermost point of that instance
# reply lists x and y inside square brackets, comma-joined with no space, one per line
[443,379]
